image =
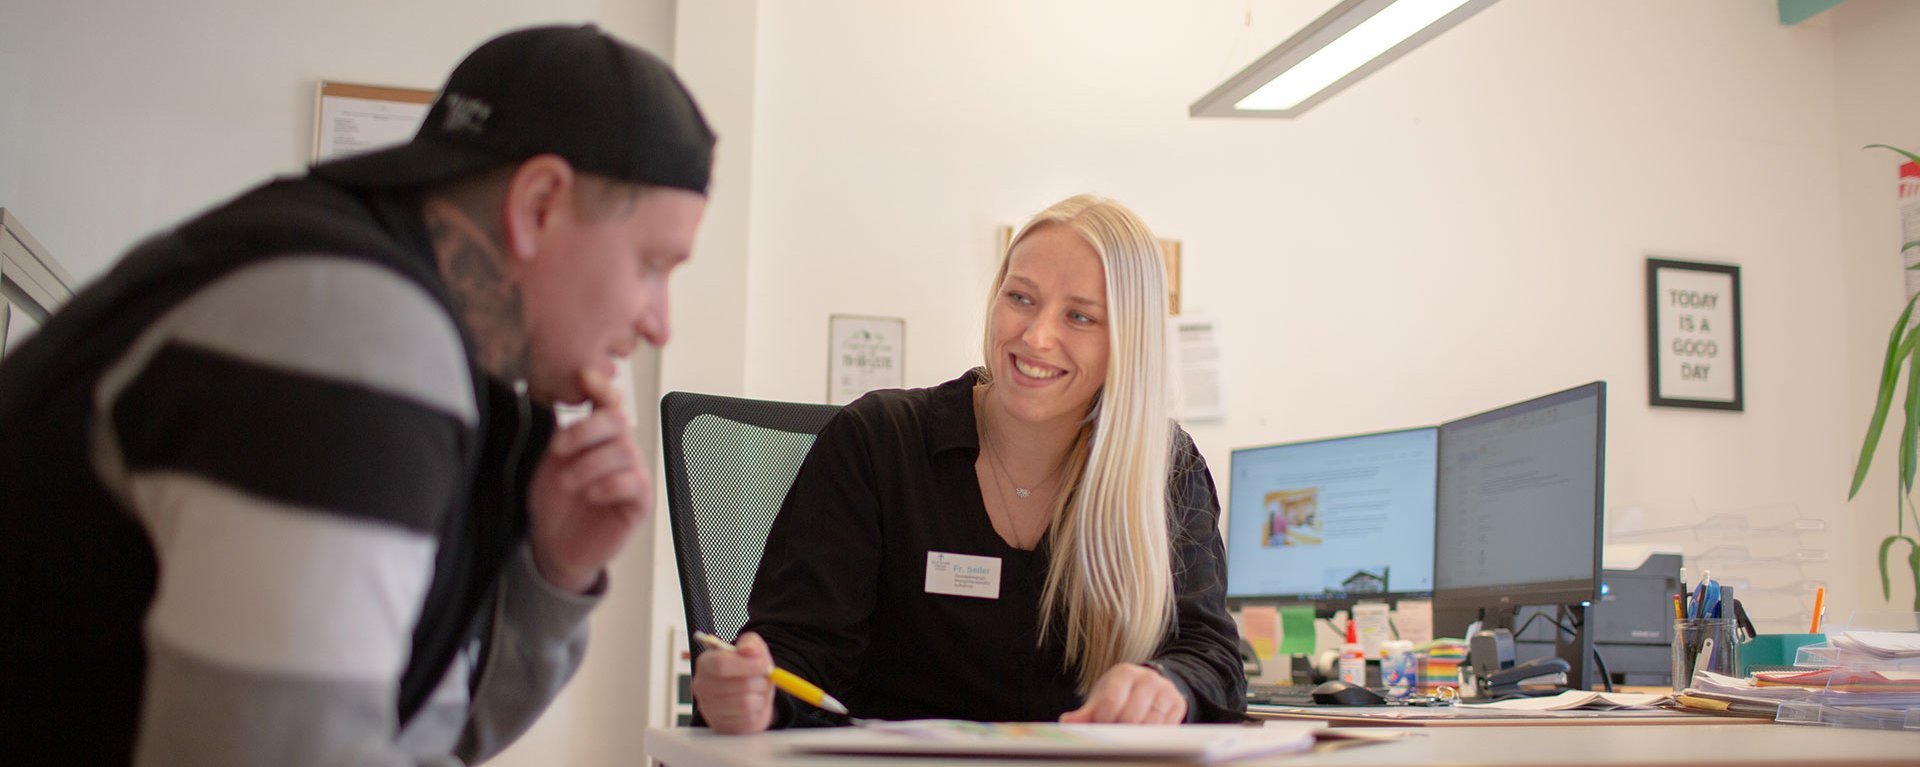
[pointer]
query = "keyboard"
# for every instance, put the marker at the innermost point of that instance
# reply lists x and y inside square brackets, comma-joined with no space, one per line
[1279,694]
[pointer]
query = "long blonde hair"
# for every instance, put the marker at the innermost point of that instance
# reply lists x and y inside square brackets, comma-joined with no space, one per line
[1110,584]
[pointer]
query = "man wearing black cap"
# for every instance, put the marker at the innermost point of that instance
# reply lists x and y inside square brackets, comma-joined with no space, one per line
[285,486]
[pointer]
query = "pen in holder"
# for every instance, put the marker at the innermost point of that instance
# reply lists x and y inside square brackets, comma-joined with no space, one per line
[1710,644]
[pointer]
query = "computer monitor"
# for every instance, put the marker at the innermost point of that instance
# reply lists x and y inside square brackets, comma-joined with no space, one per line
[1519,516]
[1332,521]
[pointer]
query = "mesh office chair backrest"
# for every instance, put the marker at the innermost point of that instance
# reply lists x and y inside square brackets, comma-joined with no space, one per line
[729,463]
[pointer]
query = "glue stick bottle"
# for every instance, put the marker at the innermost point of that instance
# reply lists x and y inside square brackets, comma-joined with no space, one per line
[1353,662]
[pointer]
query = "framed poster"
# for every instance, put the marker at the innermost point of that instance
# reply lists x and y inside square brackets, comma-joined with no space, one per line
[1170,256]
[1693,334]
[863,354]
[349,119]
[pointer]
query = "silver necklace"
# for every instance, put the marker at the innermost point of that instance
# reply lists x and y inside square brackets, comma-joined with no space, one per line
[1006,507]
[1005,479]
[993,451]
[1000,488]
[1000,468]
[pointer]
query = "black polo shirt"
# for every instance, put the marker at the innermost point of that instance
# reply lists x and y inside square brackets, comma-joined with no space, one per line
[842,595]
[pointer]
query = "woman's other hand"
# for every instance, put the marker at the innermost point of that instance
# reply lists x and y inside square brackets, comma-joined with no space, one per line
[1130,693]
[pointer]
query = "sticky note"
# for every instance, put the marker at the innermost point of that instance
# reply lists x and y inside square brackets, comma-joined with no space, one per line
[1296,629]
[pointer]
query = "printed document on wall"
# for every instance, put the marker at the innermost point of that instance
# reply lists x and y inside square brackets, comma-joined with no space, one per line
[1197,371]
[350,119]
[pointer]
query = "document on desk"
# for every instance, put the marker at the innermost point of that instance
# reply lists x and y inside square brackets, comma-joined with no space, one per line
[1840,688]
[1720,684]
[1882,645]
[1580,699]
[1203,743]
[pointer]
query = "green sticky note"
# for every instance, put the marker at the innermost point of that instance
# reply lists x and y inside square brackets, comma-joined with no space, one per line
[1296,629]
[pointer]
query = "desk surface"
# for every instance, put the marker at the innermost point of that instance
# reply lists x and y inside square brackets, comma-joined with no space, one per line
[1719,745]
[1414,716]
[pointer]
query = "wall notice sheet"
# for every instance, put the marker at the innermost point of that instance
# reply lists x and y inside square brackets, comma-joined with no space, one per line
[350,119]
[1204,743]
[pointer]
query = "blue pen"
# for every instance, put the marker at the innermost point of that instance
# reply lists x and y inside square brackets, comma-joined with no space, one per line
[1712,608]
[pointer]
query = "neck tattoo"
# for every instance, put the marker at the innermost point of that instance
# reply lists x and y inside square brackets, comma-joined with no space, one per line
[467,247]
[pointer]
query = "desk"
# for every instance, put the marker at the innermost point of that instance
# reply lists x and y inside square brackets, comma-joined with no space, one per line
[1415,716]
[1716,745]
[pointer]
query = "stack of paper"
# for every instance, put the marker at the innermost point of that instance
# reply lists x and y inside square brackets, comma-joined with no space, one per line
[1843,680]
[1581,699]
[1748,696]
[1207,743]
[1721,684]
[1881,645]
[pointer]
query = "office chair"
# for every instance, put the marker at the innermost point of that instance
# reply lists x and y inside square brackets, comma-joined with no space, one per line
[729,463]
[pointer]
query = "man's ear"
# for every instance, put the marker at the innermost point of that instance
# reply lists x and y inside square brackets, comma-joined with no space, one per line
[540,187]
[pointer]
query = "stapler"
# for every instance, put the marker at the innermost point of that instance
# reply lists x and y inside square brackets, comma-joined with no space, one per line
[1507,681]
[1490,661]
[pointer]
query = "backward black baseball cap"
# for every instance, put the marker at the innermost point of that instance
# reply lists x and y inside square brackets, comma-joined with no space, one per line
[605,106]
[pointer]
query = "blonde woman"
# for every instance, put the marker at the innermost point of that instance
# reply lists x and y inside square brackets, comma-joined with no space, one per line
[1034,540]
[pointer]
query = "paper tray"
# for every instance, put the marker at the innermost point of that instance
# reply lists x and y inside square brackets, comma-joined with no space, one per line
[1870,675]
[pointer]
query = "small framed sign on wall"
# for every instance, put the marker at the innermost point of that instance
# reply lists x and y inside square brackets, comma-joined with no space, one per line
[863,354]
[1693,334]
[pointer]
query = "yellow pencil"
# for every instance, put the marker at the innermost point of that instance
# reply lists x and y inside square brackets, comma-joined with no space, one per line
[1819,604]
[783,679]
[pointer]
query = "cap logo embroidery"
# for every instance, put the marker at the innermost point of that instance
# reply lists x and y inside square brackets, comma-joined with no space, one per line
[466,114]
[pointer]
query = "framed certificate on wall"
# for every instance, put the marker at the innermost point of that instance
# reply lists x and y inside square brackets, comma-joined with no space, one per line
[864,354]
[349,119]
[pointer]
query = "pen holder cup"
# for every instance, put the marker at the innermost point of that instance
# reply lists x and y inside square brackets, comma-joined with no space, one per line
[1704,644]
[1768,650]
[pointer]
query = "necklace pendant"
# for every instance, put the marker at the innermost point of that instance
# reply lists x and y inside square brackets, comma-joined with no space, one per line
[1023,492]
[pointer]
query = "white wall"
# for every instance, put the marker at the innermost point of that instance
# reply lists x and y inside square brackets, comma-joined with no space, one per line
[118,118]
[1874,45]
[1464,229]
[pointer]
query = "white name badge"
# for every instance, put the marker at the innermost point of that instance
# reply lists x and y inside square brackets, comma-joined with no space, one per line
[963,575]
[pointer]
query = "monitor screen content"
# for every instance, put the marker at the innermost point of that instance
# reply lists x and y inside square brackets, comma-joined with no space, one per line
[1332,518]
[1519,511]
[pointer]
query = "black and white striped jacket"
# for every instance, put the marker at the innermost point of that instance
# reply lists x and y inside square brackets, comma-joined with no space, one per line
[258,505]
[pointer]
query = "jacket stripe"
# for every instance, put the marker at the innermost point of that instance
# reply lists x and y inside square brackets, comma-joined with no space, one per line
[299,441]
[255,585]
[337,319]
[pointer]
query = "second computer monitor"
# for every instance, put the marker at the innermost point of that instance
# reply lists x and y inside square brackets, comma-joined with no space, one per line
[1520,502]
[1332,520]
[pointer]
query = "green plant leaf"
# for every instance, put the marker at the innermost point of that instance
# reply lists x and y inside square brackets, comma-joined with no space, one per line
[1910,155]
[1911,429]
[1897,351]
[1900,520]
[1911,244]
[1886,584]
[1900,525]
[1913,565]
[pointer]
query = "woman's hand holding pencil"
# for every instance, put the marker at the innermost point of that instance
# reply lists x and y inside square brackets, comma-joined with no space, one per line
[733,684]
[732,688]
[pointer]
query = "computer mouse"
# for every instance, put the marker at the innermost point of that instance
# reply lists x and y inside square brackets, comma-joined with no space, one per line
[1338,693]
